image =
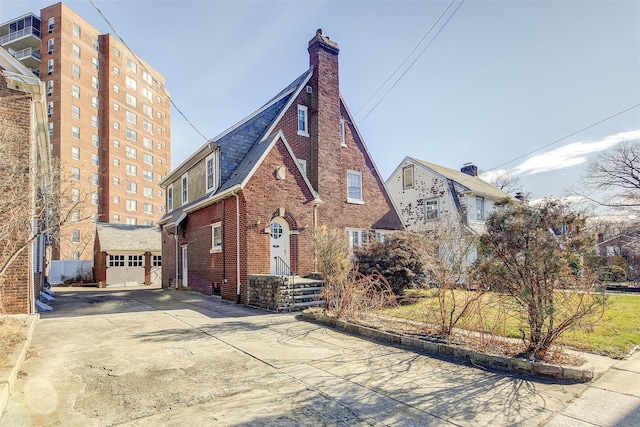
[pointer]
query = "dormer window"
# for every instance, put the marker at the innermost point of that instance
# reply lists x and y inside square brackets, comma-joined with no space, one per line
[212,171]
[303,122]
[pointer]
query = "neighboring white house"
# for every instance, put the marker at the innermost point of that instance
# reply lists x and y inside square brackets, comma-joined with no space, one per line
[429,195]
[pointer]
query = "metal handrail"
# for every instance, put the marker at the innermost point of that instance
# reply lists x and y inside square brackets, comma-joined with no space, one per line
[282,268]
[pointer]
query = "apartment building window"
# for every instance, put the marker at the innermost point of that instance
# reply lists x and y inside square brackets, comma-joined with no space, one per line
[116,88]
[148,159]
[147,94]
[77,31]
[185,188]
[95,179]
[159,146]
[159,130]
[50,44]
[159,208]
[147,110]
[94,217]
[75,132]
[50,87]
[132,66]
[94,121]
[75,215]
[75,71]
[116,125]
[75,50]
[116,162]
[116,70]
[96,44]
[116,106]
[50,126]
[75,153]
[216,237]
[148,175]
[147,77]
[94,63]
[51,25]
[212,167]
[159,114]
[132,187]
[479,207]
[407,177]
[49,108]
[131,205]
[75,255]
[148,208]
[116,200]
[432,209]
[94,101]
[131,152]
[303,125]
[75,91]
[131,169]
[116,51]
[75,173]
[147,142]
[147,126]
[131,83]
[132,117]
[116,143]
[95,83]
[75,236]
[147,222]
[95,160]
[132,221]
[148,192]
[131,100]
[116,180]
[50,66]
[94,199]
[354,187]
[95,140]
[116,219]
[170,198]
[132,135]
[75,194]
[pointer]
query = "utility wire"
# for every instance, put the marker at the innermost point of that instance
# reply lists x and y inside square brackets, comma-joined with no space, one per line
[147,70]
[418,57]
[407,58]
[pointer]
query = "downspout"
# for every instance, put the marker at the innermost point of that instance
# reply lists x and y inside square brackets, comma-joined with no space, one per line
[175,237]
[34,230]
[224,257]
[237,247]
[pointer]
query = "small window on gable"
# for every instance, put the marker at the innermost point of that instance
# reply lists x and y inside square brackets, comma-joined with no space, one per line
[216,237]
[185,188]
[354,187]
[343,140]
[170,198]
[432,209]
[407,177]
[479,207]
[303,122]
[212,171]
[303,165]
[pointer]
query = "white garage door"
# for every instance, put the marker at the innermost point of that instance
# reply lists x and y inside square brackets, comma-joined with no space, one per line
[126,270]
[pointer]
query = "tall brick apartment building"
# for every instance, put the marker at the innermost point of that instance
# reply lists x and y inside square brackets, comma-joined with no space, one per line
[248,202]
[25,166]
[109,122]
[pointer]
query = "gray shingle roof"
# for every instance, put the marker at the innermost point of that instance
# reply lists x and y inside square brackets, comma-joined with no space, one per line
[132,238]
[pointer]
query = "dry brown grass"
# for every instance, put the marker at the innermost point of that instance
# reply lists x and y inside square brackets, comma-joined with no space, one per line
[12,332]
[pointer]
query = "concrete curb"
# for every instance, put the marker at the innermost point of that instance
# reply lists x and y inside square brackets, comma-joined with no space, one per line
[9,374]
[546,370]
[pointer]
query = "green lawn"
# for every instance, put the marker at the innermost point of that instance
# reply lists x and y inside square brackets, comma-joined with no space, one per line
[615,334]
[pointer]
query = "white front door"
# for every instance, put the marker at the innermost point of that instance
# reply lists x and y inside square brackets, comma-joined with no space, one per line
[279,245]
[185,270]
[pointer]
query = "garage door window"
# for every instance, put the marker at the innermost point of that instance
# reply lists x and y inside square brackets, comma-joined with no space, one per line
[157,260]
[116,260]
[135,260]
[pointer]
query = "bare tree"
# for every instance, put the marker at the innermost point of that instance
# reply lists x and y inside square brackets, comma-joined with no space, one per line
[504,180]
[612,179]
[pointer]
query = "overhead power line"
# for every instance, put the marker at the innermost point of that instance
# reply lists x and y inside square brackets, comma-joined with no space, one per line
[147,70]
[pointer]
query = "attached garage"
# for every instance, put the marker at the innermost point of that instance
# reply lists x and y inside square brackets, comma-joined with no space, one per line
[127,255]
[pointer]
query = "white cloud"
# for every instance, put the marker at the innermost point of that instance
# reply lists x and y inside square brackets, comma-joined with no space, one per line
[572,154]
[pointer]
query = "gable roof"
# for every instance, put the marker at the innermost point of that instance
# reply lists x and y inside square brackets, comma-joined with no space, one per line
[128,238]
[470,183]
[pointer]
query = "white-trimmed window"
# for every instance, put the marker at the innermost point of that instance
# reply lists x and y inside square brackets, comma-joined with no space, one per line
[354,187]
[95,179]
[131,152]
[75,174]
[148,175]
[303,122]
[116,70]
[148,192]
[131,100]
[50,44]
[75,71]
[131,205]
[116,51]
[95,64]
[147,142]
[148,126]
[94,102]
[51,24]
[94,199]
[95,159]
[147,110]
[147,94]
[212,171]
[75,91]
[75,255]
[147,158]
[170,198]
[131,83]
[95,140]
[75,50]
[185,188]
[131,169]
[50,87]
[216,237]
[77,31]
[132,66]
[303,165]
[95,122]
[479,208]
[95,83]
[116,180]
[75,153]
[50,66]
[116,162]
[116,218]
[75,132]
[432,209]
[116,199]
[132,187]
[407,177]
[50,110]
[116,88]
[75,111]
[75,236]
[132,135]
[357,236]
[131,220]
[75,194]
[96,44]
[148,208]
[75,215]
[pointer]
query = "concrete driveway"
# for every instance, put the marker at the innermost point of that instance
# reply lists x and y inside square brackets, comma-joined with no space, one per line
[149,357]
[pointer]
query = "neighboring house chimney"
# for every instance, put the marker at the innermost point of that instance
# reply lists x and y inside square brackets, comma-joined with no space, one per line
[469,169]
[324,124]
[520,196]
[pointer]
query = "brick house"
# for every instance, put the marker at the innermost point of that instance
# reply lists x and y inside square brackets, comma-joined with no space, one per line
[26,174]
[127,254]
[248,201]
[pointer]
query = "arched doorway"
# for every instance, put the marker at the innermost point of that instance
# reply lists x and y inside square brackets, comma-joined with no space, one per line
[279,250]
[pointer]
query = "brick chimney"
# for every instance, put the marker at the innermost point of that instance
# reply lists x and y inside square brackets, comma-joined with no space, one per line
[469,169]
[324,123]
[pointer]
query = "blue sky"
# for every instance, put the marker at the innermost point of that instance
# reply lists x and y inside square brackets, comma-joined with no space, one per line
[500,80]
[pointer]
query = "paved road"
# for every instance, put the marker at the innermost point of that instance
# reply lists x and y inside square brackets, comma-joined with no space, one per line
[148,357]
